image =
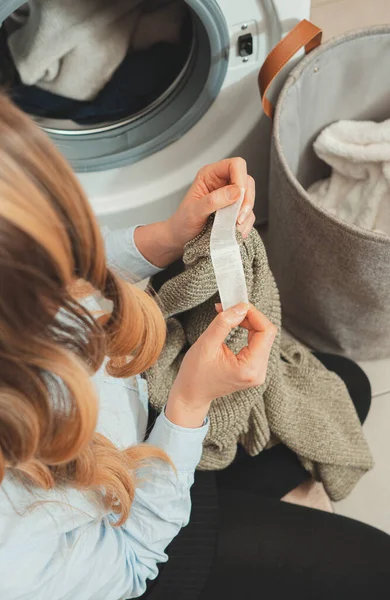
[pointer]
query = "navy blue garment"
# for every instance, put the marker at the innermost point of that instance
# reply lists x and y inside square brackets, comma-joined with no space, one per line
[139,80]
[8,72]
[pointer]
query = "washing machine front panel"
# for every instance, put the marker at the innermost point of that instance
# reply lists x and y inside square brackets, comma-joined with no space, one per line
[139,171]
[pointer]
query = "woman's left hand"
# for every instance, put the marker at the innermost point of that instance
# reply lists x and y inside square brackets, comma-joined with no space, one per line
[215,186]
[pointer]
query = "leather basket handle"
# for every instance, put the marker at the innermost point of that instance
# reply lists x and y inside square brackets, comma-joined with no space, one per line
[305,34]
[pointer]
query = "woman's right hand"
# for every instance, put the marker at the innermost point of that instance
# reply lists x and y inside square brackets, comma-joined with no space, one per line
[210,369]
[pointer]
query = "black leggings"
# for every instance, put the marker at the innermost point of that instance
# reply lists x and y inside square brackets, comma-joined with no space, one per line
[271,549]
[268,548]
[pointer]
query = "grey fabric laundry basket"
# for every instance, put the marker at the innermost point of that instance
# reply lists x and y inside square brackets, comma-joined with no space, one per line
[334,278]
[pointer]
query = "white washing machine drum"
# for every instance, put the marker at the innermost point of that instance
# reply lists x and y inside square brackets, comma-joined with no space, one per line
[114,144]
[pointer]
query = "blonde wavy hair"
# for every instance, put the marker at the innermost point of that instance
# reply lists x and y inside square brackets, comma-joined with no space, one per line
[49,240]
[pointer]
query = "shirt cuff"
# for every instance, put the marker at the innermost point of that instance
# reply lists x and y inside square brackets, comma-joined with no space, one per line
[182,444]
[123,255]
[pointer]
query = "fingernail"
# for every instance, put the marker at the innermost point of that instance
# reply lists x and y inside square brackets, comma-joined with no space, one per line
[217,305]
[243,215]
[241,309]
[233,192]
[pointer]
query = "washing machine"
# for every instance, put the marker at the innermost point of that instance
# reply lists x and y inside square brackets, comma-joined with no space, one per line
[138,168]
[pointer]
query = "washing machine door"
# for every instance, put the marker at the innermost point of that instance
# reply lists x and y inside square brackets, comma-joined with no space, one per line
[112,144]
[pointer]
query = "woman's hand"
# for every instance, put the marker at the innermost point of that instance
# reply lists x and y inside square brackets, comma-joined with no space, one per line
[215,186]
[210,370]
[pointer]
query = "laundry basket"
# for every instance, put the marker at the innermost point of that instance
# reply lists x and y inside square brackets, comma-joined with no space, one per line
[334,278]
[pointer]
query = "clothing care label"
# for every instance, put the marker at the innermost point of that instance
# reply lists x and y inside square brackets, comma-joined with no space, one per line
[226,257]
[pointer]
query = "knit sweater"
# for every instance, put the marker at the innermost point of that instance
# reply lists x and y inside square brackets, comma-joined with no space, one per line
[301,404]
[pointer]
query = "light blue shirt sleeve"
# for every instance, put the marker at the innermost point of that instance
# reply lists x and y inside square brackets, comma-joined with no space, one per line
[53,553]
[123,256]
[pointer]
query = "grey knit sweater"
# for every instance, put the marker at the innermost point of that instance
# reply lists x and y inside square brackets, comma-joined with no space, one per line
[301,404]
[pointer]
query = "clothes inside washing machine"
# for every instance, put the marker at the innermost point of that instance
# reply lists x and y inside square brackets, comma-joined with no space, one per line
[93,62]
[113,81]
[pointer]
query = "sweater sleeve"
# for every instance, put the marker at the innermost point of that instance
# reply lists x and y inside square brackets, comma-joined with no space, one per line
[124,257]
[84,557]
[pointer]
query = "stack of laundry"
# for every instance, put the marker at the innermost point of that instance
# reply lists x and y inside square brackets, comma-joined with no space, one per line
[94,60]
[358,190]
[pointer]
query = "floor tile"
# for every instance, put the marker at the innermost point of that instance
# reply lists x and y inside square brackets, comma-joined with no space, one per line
[315,3]
[378,372]
[336,17]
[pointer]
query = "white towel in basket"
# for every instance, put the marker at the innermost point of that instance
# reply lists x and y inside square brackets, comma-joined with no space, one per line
[358,190]
[72,47]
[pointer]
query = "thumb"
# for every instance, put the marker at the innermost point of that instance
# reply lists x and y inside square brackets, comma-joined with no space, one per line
[223,323]
[224,196]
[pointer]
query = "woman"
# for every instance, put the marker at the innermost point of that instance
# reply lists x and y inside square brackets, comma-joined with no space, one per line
[86,510]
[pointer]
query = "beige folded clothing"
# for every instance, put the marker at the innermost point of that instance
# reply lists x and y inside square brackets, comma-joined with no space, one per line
[72,47]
